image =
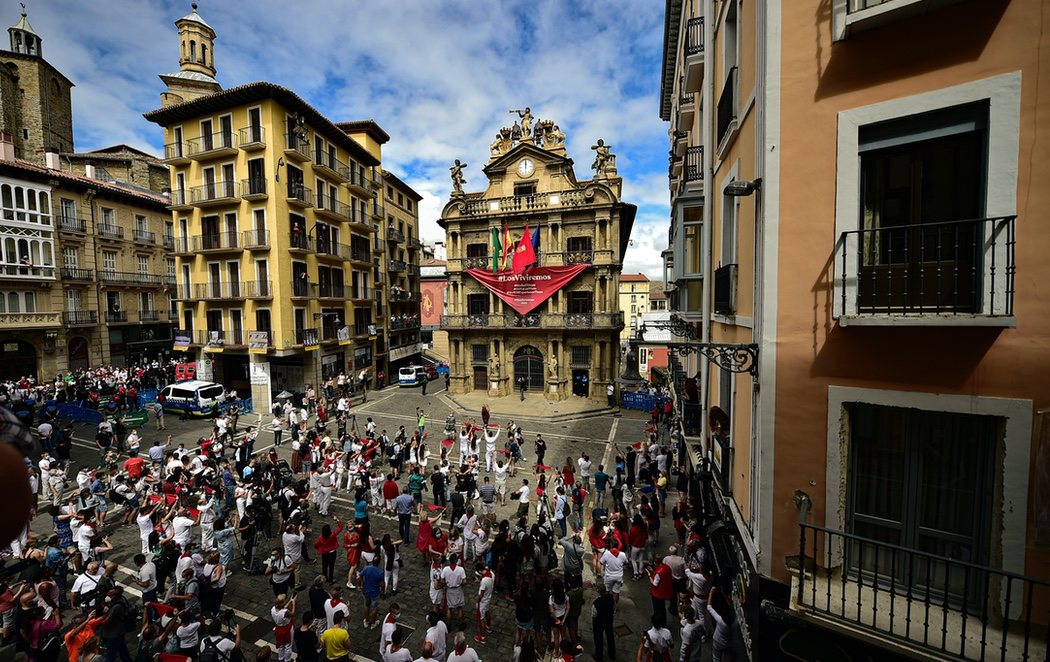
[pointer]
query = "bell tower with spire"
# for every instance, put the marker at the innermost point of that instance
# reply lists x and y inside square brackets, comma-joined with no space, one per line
[24,39]
[196,75]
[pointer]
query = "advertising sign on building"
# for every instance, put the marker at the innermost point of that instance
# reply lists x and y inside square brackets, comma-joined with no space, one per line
[311,342]
[182,341]
[525,291]
[216,343]
[257,342]
[259,373]
[343,334]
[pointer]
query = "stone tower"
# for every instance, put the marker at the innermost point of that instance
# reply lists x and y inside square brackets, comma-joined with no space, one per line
[36,107]
[196,75]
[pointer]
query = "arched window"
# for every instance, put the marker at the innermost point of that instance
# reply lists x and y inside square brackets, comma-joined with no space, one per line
[193,51]
[204,54]
[23,249]
[10,254]
[3,303]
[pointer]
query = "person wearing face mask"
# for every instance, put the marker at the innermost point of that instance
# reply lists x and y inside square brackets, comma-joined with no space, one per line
[279,569]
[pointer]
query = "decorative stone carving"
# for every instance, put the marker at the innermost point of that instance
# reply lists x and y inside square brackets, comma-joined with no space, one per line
[604,160]
[526,121]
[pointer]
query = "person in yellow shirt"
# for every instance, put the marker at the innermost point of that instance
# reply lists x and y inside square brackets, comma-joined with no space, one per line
[336,640]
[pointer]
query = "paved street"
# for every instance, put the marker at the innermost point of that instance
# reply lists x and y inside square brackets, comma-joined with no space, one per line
[250,596]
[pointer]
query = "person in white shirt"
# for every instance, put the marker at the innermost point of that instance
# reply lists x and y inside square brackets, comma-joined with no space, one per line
[386,634]
[85,583]
[657,640]
[613,562]
[467,523]
[453,577]
[584,464]
[437,636]
[283,620]
[45,468]
[183,527]
[522,495]
[692,634]
[490,447]
[207,519]
[325,481]
[334,605]
[485,590]
[394,651]
[461,652]
[501,481]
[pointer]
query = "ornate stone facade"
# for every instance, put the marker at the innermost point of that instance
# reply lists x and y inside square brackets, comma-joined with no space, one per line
[568,344]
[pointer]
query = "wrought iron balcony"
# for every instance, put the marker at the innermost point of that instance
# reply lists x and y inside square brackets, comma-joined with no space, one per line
[71,224]
[412,269]
[403,295]
[176,153]
[219,241]
[169,242]
[179,198]
[331,291]
[332,249]
[360,254]
[144,237]
[725,290]
[74,273]
[694,36]
[332,165]
[328,205]
[151,315]
[941,605]
[297,241]
[219,290]
[301,288]
[213,193]
[211,145]
[395,266]
[295,148]
[307,337]
[182,245]
[130,278]
[608,320]
[477,262]
[951,268]
[219,337]
[110,231]
[727,105]
[399,322]
[258,289]
[183,292]
[694,164]
[252,137]
[253,188]
[256,239]
[300,195]
[116,317]
[78,317]
[394,235]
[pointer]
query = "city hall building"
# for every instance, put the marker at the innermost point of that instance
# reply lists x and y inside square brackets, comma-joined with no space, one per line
[556,324]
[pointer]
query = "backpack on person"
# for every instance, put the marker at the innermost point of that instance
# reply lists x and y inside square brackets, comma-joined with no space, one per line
[211,652]
[566,509]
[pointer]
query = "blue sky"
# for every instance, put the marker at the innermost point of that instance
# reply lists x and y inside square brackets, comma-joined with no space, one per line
[438,76]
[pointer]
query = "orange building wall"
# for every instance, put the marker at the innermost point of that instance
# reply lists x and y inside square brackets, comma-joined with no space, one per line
[964,42]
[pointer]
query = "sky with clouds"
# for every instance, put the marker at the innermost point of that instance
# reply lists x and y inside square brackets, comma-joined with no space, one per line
[437,75]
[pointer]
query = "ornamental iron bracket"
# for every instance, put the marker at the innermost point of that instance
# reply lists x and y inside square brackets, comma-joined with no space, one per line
[732,357]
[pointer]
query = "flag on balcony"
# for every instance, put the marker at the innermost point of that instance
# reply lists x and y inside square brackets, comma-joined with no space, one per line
[524,254]
[508,249]
[536,241]
[497,250]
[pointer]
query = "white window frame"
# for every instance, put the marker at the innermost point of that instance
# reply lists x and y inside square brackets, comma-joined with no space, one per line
[1003,94]
[844,23]
[1010,530]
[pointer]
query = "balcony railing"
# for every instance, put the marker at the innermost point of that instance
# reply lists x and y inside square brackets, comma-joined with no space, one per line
[71,224]
[948,268]
[183,292]
[694,35]
[403,295]
[477,262]
[725,290]
[307,337]
[181,245]
[219,337]
[211,142]
[253,187]
[218,241]
[547,259]
[935,603]
[393,234]
[727,105]
[301,195]
[116,317]
[151,315]
[130,278]
[398,322]
[525,203]
[296,148]
[175,151]
[301,288]
[395,266]
[359,254]
[213,192]
[694,164]
[144,237]
[110,231]
[610,320]
[258,289]
[297,241]
[74,273]
[255,238]
[220,290]
[76,317]
[169,242]
[252,136]
[331,291]
[327,203]
[179,198]
[27,272]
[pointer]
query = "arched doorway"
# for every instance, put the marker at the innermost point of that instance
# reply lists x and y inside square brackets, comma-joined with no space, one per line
[78,353]
[17,360]
[528,363]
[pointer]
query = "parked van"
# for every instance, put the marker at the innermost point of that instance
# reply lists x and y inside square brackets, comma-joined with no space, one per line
[192,397]
[412,375]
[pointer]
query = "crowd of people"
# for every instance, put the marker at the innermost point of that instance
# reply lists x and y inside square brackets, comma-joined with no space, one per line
[221,508]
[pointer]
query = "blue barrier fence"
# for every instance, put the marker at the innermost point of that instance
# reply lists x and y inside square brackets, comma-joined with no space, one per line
[642,401]
[76,412]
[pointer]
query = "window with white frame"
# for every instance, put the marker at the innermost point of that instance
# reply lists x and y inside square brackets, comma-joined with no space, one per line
[74,300]
[108,218]
[146,302]
[142,262]
[109,262]
[925,211]
[70,257]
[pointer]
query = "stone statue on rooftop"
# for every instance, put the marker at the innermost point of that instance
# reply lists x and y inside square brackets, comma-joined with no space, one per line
[526,121]
[457,177]
[602,157]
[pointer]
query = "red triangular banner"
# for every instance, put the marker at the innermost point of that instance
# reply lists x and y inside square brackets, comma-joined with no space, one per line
[524,292]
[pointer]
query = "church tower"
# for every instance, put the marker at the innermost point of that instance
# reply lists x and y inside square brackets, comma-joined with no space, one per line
[196,75]
[24,39]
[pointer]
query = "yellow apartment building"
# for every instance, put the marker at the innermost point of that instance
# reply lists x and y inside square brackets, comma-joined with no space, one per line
[277,216]
[634,302]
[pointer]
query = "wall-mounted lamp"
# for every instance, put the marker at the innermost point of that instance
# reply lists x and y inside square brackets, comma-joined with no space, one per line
[742,188]
[277,172]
